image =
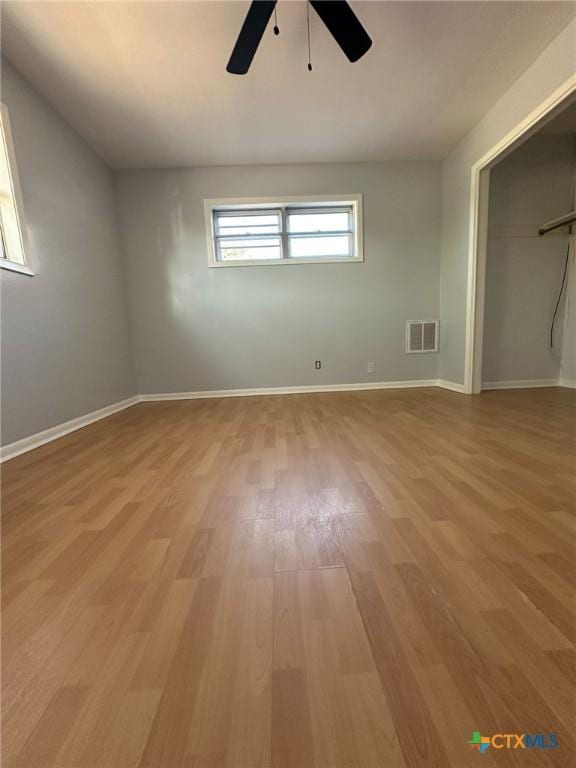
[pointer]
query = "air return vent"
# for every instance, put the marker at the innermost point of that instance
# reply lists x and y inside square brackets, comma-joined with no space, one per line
[421,336]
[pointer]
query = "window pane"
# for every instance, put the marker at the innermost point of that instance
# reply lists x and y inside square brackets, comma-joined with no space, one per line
[313,247]
[249,249]
[12,246]
[247,224]
[318,221]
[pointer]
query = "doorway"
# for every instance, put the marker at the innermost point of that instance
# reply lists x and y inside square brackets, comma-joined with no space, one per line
[553,108]
[528,307]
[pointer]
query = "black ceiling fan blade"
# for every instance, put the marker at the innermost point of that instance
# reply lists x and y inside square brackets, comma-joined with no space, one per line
[250,35]
[344,26]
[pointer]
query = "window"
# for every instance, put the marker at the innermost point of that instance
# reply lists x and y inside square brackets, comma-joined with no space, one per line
[12,236]
[293,230]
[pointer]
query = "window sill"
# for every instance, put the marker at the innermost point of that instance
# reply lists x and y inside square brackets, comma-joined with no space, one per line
[13,266]
[281,262]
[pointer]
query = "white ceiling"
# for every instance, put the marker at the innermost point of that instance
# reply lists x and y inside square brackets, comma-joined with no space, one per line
[145,82]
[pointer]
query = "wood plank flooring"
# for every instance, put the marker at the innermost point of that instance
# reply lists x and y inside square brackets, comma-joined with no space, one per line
[308,581]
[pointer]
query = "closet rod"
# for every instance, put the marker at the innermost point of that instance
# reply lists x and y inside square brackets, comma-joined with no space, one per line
[562,221]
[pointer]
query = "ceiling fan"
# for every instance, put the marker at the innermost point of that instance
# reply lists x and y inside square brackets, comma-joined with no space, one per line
[337,15]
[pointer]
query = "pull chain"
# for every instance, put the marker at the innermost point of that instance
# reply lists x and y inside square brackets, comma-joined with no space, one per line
[308,28]
[276,28]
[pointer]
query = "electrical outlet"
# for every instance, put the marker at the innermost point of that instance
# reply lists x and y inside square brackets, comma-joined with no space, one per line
[318,364]
[371,367]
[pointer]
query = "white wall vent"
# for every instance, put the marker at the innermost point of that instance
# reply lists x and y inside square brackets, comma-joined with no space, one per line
[421,336]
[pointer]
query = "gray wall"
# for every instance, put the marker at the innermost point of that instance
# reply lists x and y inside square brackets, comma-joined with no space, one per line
[550,70]
[196,328]
[524,271]
[65,346]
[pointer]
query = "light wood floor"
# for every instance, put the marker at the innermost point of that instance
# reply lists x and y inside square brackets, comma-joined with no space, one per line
[355,579]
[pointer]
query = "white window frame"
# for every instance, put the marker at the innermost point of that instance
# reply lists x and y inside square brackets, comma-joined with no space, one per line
[23,267]
[298,202]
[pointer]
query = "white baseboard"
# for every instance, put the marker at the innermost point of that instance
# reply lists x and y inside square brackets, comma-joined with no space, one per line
[521,384]
[304,390]
[12,450]
[453,386]
[41,438]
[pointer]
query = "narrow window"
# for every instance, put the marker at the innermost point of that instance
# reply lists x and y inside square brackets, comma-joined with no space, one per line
[12,234]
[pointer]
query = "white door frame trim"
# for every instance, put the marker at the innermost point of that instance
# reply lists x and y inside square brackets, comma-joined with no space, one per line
[479,226]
